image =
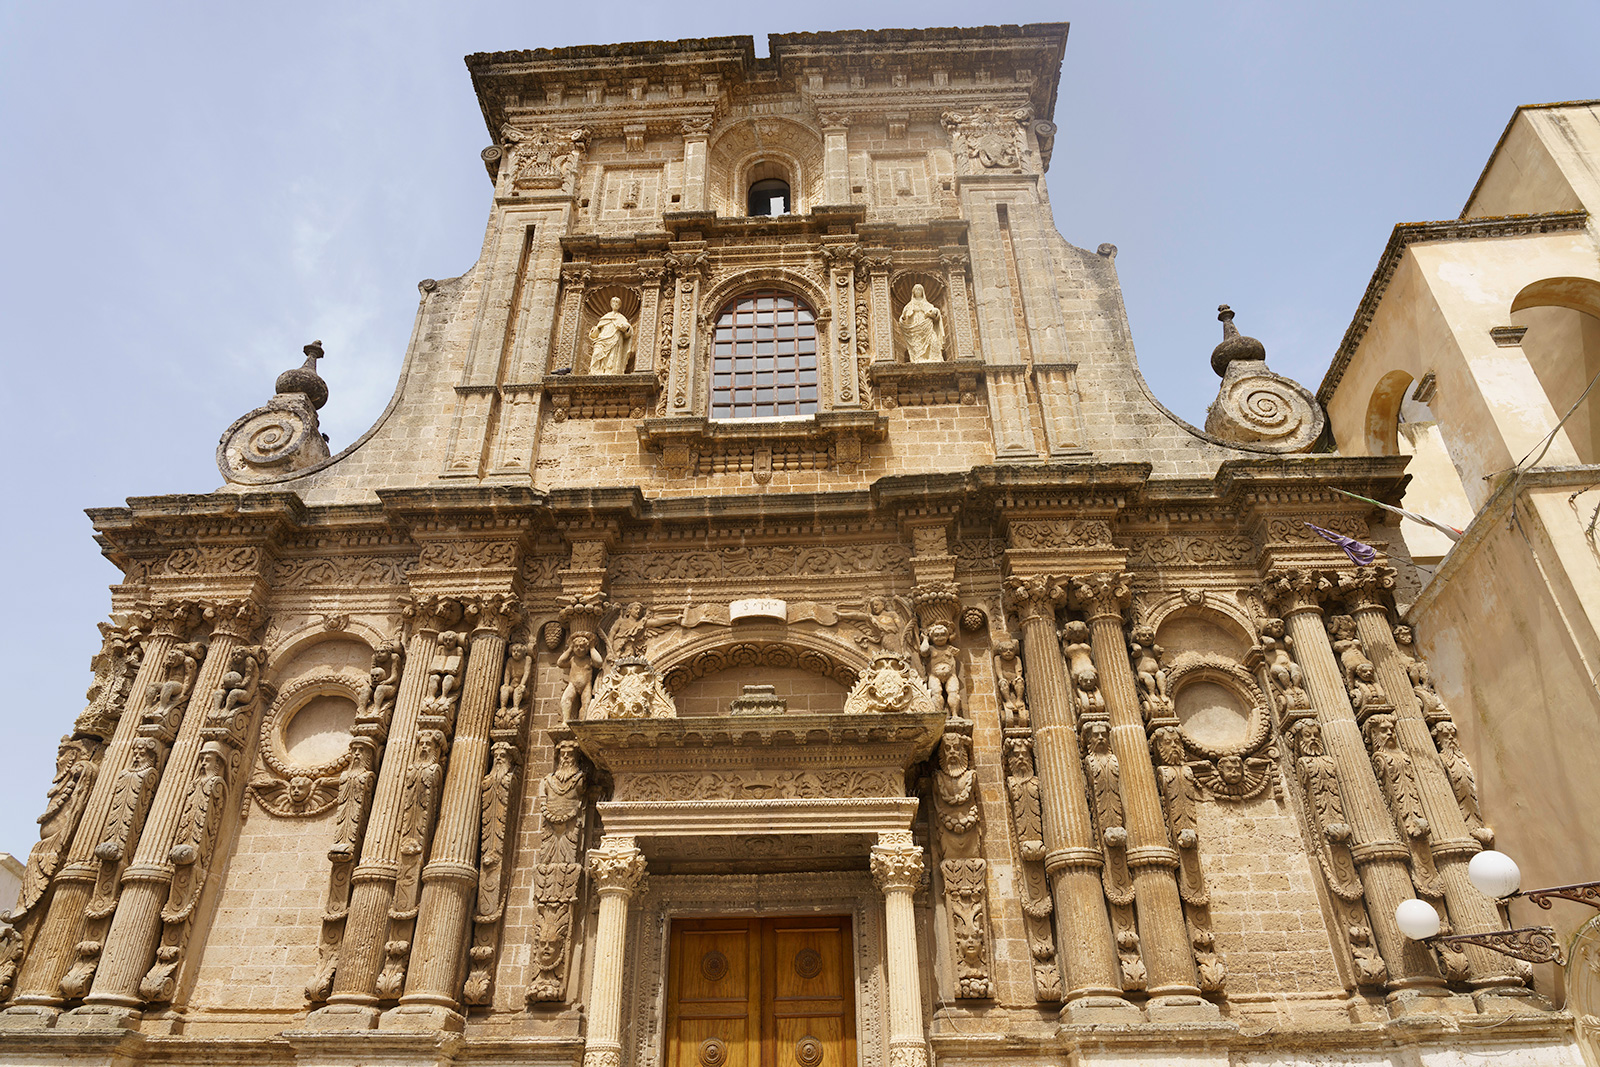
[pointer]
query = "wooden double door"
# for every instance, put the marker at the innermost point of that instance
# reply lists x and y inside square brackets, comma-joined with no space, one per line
[770,992]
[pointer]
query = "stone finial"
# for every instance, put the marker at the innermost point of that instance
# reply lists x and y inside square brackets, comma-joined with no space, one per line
[278,441]
[1235,345]
[304,378]
[1255,407]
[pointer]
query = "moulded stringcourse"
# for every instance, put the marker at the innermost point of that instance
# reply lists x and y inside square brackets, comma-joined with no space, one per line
[906,384]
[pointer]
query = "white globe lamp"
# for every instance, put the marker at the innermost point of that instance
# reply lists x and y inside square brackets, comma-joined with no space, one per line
[1416,919]
[1495,874]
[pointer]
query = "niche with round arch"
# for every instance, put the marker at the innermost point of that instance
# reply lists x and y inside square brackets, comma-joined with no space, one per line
[305,743]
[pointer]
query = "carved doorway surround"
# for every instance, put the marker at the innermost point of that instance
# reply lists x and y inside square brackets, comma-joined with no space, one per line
[761,992]
[846,898]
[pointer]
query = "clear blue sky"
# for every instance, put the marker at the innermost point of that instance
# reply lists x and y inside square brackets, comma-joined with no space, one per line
[193,191]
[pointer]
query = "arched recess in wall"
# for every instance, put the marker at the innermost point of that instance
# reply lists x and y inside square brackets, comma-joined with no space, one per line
[1400,422]
[1562,345]
[705,673]
[761,149]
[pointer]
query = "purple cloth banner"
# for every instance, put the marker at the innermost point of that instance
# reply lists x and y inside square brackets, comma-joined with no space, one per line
[1360,554]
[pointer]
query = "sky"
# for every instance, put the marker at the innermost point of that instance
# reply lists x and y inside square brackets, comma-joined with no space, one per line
[191,192]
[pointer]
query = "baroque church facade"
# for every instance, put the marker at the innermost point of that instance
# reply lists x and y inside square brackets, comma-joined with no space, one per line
[772,622]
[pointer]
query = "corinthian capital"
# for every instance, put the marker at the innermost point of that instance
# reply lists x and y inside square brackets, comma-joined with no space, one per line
[234,618]
[1106,593]
[1034,596]
[172,618]
[496,613]
[617,866]
[896,863]
[1296,590]
[1363,589]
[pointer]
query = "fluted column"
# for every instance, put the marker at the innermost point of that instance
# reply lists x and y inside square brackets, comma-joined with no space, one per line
[1163,933]
[361,953]
[1375,845]
[897,868]
[51,952]
[617,869]
[450,879]
[130,945]
[1451,840]
[1091,971]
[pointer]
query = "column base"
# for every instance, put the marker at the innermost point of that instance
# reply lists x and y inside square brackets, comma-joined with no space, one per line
[1100,1010]
[1181,1008]
[1511,1000]
[99,1017]
[343,1017]
[422,1017]
[28,1017]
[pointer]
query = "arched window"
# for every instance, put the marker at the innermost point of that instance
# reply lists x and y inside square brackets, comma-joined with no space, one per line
[764,357]
[769,196]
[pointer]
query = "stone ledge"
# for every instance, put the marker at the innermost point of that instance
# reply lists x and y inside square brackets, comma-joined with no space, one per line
[602,396]
[909,384]
[829,440]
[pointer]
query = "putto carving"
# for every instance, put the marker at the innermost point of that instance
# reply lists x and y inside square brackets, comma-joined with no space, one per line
[629,634]
[631,689]
[1081,670]
[943,663]
[1145,657]
[989,138]
[582,660]
[886,622]
[166,698]
[1287,677]
[611,341]
[1010,687]
[889,685]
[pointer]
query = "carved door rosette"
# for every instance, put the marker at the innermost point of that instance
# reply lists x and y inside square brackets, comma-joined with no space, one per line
[563,811]
[958,833]
[212,792]
[358,779]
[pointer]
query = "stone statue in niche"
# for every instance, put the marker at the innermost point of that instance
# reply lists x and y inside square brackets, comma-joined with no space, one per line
[1080,667]
[943,663]
[581,660]
[611,341]
[1009,685]
[77,765]
[922,327]
[1463,780]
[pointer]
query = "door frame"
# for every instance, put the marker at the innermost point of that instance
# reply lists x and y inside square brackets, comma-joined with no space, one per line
[698,896]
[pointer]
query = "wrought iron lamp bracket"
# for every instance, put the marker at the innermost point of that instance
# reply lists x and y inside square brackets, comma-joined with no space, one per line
[1536,944]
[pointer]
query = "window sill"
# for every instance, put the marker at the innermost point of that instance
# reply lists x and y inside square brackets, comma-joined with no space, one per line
[829,440]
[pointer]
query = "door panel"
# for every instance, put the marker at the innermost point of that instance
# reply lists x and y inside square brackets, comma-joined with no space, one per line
[776,992]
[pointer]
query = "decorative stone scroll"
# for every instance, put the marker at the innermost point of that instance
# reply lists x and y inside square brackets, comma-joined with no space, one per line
[1254,406]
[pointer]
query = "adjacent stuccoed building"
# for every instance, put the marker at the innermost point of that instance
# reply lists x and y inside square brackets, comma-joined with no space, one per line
[773,622]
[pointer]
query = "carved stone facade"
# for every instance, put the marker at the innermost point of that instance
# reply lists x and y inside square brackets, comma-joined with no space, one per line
[647,612]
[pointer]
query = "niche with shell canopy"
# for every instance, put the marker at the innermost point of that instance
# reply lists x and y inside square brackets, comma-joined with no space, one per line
[629,393]
[596,305]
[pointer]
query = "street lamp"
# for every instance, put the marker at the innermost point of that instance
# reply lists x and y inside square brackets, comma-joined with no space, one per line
[1496,876]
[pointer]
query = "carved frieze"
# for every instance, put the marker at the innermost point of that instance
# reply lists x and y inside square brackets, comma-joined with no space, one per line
[348,571]
[760,561]
[761,784]
[1048,534]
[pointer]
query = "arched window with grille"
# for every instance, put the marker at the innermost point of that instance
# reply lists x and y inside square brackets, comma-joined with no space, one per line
[764,357]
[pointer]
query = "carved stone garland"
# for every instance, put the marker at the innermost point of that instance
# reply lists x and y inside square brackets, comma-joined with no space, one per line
[558,869]
[357,780]
[286,790]
[227,723]
[959,832]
